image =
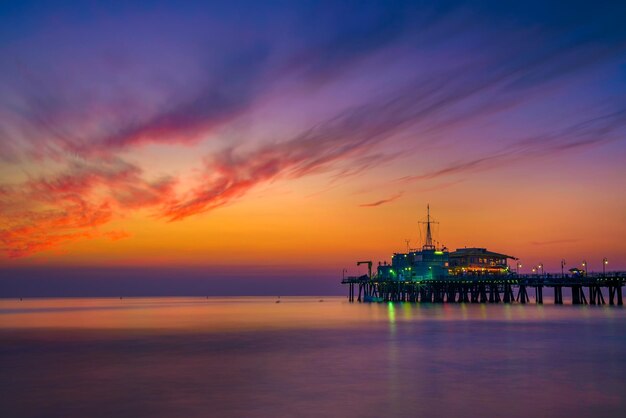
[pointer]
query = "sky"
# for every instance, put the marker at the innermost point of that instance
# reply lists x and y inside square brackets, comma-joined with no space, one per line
[262,147]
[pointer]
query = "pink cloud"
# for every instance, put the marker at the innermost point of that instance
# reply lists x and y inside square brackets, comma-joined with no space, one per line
[44,213]
[42,230]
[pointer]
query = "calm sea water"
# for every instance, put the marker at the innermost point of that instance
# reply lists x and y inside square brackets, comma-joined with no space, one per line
[248,357]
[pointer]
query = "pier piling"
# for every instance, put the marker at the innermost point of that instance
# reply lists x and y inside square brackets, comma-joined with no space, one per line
[488,289]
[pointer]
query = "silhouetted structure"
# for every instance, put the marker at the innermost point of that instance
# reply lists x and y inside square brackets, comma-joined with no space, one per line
[489,289]
[433,261]
[433,274]
[478,261]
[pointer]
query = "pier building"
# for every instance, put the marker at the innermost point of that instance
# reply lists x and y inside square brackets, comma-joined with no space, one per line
[432,261]
[478,261]
[426,263]
[474,275]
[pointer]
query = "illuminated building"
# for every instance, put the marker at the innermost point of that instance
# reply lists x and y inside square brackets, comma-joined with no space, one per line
[478,261]
[426,263]
[432,261]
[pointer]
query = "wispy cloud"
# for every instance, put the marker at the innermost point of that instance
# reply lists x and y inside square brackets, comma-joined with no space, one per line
[51,114]
[382,201]
[588,133]
[36,231]
[54,117]
[232,173]
[400,75]
[43,213]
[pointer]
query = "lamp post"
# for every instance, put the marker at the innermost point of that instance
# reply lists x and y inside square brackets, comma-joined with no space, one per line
[534,270]
[585,267]
[562,266]
[540,266]
[605,261]
[519,266]
[343,274]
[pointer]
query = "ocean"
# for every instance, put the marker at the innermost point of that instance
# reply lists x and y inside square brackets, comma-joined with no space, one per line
[308,357]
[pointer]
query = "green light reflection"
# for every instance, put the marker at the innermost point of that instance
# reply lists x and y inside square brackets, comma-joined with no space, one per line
[392,313]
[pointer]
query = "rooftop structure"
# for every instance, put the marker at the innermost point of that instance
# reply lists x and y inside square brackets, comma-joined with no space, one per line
[418,264]
[478,261]
[434,261]
[474,275]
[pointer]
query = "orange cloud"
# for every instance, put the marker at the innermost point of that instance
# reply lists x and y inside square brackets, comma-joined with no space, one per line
[44,213]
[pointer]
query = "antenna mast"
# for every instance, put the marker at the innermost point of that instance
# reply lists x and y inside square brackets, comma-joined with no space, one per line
[428,244]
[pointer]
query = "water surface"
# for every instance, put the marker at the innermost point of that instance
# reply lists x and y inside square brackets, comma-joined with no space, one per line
[247,357]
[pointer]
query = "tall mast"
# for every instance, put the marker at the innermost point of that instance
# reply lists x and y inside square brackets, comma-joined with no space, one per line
[429,236]
[428,244]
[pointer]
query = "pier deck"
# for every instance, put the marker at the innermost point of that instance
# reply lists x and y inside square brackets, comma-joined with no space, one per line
[490,289]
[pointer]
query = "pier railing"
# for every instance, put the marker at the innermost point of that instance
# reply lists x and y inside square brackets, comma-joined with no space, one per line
[585,289]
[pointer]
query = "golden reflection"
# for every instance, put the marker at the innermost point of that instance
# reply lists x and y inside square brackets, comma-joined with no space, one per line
[506,310]
[483,311]
[463,307]
[253,313]
[407,309]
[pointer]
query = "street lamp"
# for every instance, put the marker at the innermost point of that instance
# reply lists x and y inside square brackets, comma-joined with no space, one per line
[540,267]
[534,270]
[343,274]
[585,267]
[519,266]
[562,266]
[605,261]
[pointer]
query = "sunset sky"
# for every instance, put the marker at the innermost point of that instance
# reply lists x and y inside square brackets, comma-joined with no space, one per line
[263,141]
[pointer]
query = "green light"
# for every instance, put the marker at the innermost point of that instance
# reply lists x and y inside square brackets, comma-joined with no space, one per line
[392,312]
[439,252]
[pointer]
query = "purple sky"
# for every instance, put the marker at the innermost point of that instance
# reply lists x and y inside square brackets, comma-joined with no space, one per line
[233,132]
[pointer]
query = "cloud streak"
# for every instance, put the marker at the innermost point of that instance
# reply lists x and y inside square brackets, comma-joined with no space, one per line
[55,114]
[42,213]
[232,173]
[589,133]
[392,79]
[381,202]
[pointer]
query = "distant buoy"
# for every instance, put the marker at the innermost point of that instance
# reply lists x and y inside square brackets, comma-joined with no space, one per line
[321,300]
[277,301]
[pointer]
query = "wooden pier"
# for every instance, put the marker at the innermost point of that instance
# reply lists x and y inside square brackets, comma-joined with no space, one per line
[585,290]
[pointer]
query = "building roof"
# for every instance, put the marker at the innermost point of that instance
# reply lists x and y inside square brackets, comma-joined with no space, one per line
[479,252]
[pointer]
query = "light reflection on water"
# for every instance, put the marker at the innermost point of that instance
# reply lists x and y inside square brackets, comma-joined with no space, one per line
[196,357]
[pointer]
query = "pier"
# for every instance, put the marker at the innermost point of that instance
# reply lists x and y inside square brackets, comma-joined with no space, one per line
[592,289]
[435,274]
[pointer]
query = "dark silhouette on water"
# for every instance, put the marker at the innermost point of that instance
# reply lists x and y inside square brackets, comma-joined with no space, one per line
[433,274]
